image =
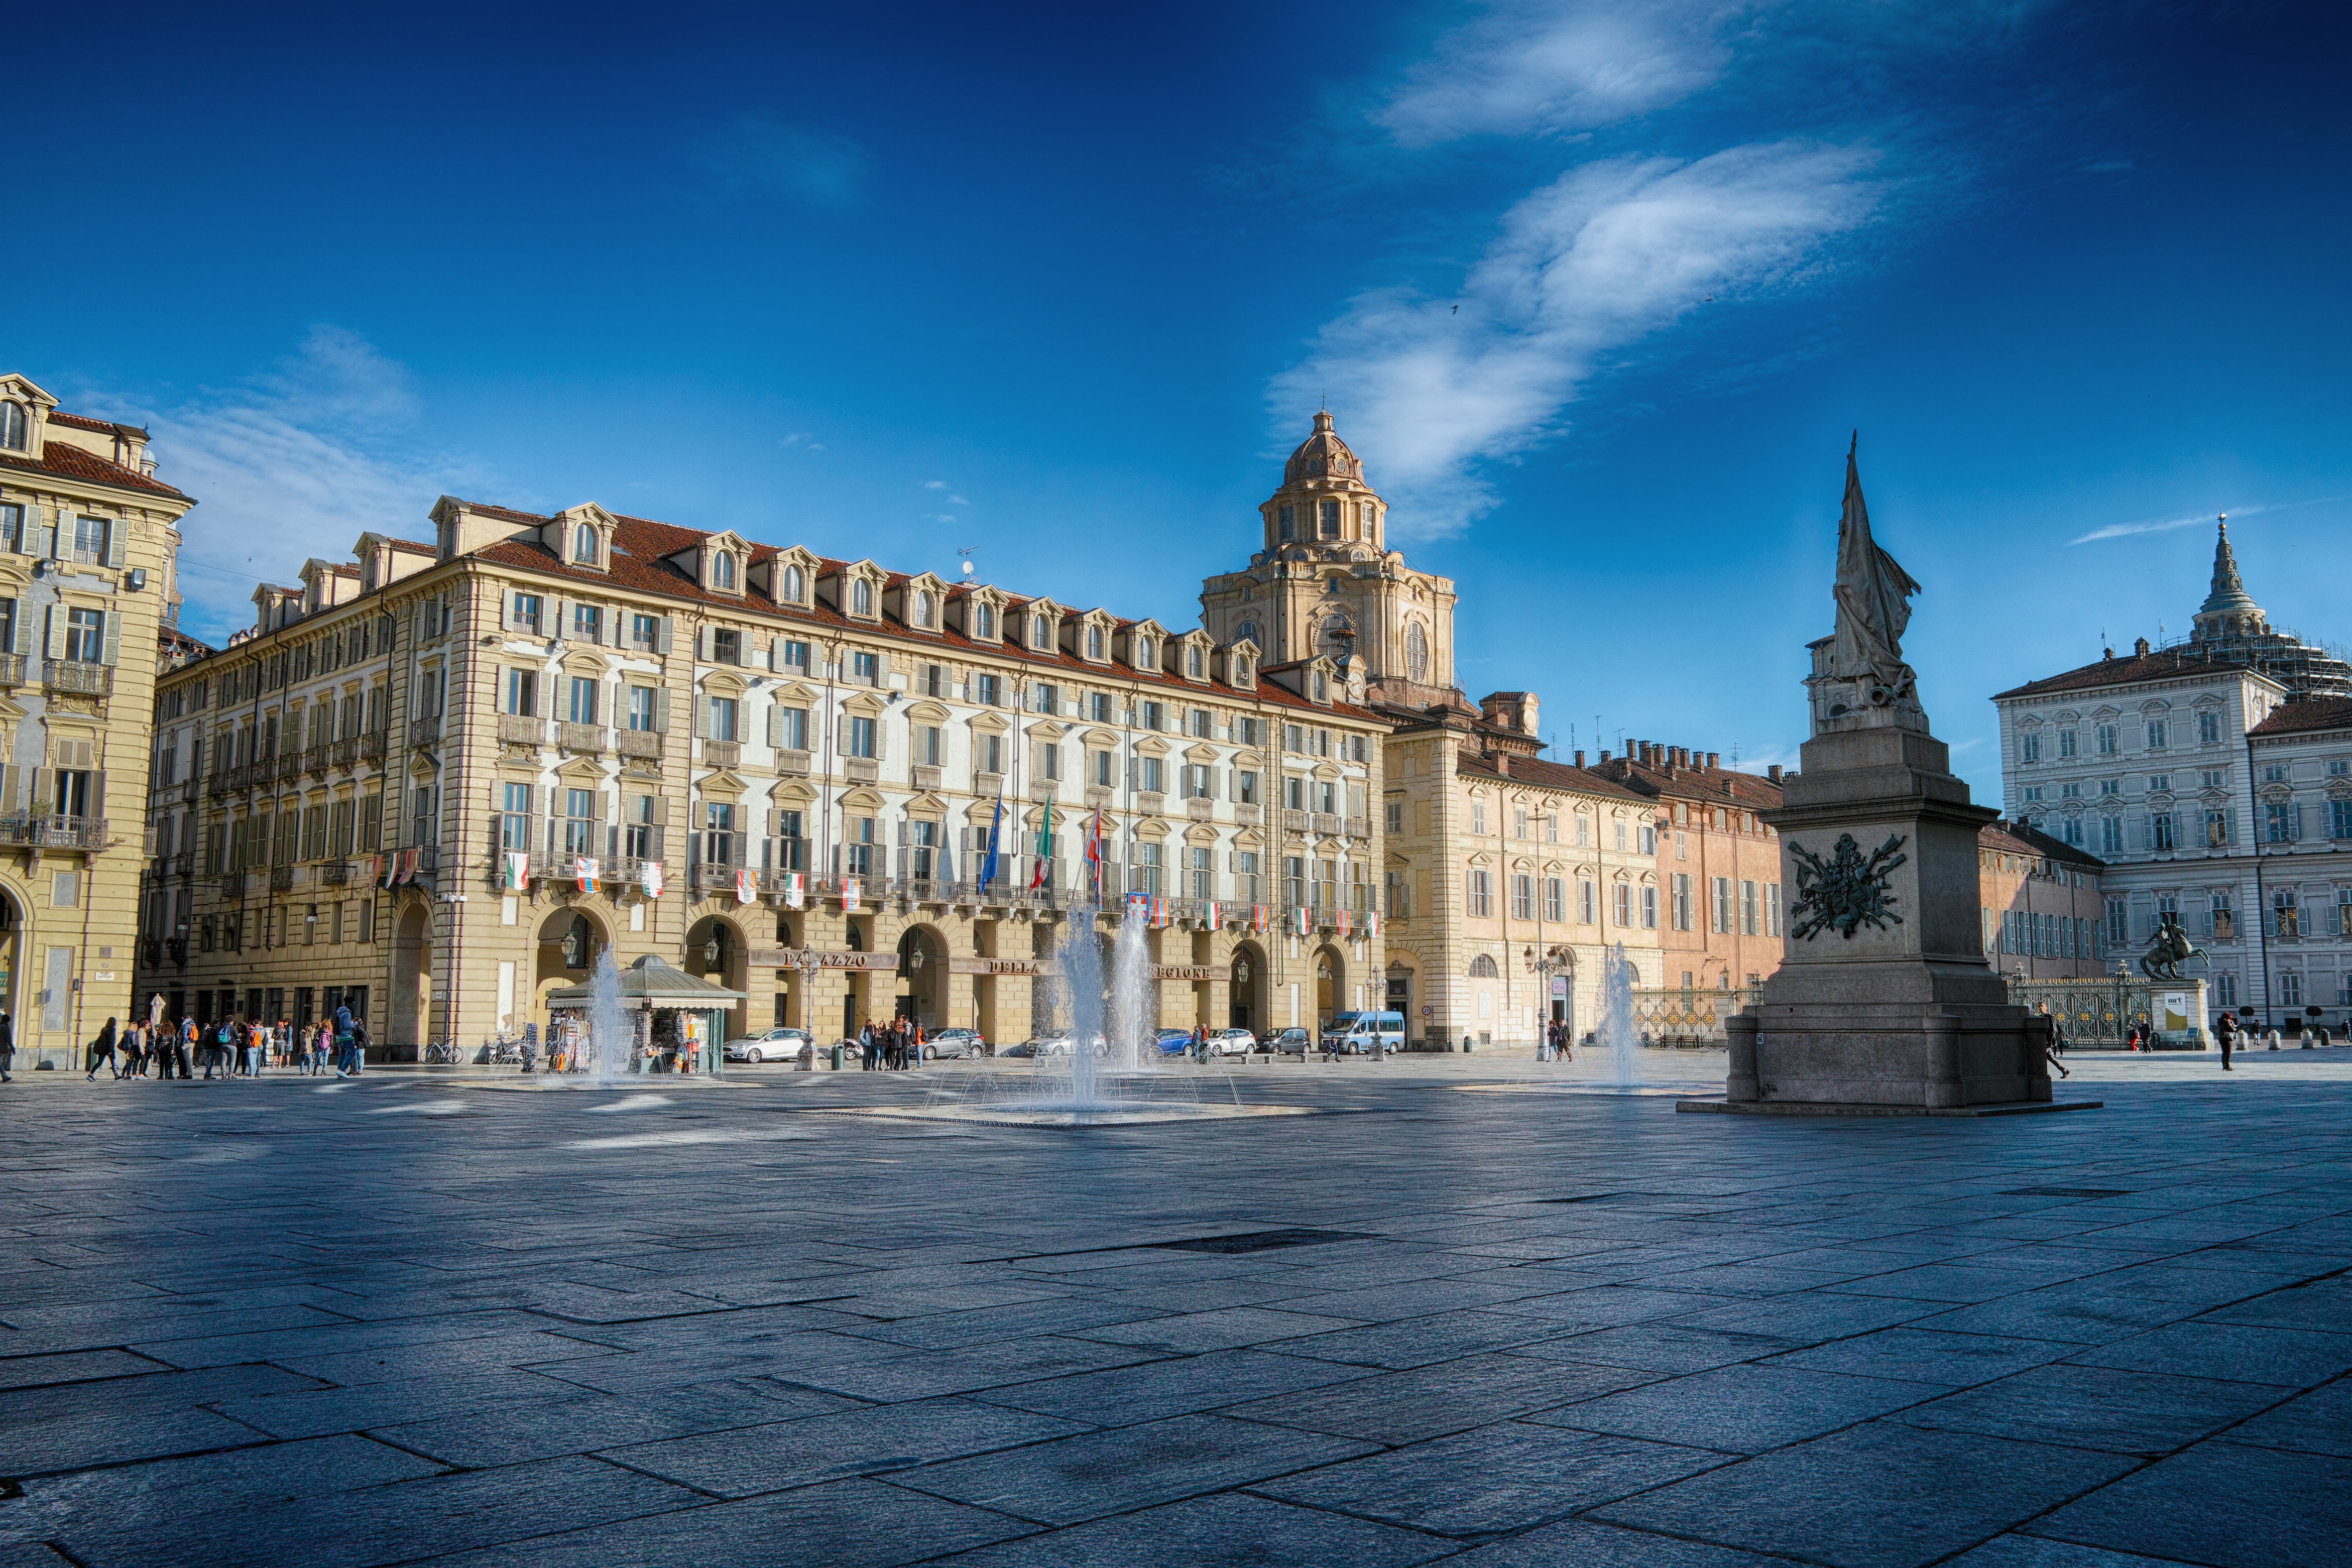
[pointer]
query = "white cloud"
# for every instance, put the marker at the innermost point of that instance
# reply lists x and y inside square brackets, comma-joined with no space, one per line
[801,439]
[755,160]
[935,484]
[297,463]
[1542,66]
[958,501]
[1607,254]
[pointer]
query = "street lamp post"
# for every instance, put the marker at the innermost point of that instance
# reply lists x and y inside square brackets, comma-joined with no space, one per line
[1551,961]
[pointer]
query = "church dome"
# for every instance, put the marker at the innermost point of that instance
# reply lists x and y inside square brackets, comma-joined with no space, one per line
[1322,455]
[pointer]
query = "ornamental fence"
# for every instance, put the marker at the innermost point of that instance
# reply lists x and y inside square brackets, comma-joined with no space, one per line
[2101,1014]
[1687,1017]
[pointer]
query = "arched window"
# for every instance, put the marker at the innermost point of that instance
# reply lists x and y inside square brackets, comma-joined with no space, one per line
[1242,675]
[1417,653]
[1147,654]
[1041,631]
[1245,633]
[1330,519]
[723,571]
[1335,637]
[583,545]
[1094,642]
[795,586]
[1322,688]
[924,611]
[1364,515]
[861,596]
[15,432]
[1193,666]
[984,622]
[1289,528]
[1482,967]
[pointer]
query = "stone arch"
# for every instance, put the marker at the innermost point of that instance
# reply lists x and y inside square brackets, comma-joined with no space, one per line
[409,1017]
[569,938]
[920,989]
[1330,968]
[734,949]
[1247,992]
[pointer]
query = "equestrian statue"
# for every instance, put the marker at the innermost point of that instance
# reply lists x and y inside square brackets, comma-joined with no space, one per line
[2169,950]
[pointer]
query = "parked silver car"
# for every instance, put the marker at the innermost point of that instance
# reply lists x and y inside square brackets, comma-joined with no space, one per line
[1231,1042]
[769,1045]
[954,1042]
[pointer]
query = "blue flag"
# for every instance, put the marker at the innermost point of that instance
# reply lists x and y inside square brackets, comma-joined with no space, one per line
[988,862]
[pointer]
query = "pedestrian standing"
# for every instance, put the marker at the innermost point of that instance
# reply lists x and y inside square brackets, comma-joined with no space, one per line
[2225,1031]
[179,1042]
[256,1047]
[7,1045]
[345,1066]
[103,1048]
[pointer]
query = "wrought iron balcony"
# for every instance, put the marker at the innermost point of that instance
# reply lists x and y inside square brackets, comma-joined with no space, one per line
[425,731]
[233,885]
[282,878]
[74,675]
[314,761]
[641,743]
[290,767]
[336,873]
[372,745]
[11,669]
[345,752]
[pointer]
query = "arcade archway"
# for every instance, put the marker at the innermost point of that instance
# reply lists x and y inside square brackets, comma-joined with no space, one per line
[1246,994]
[715,950]
[920,986]
[412,979]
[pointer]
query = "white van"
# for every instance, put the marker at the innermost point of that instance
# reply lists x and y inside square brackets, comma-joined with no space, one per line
[1361,1034]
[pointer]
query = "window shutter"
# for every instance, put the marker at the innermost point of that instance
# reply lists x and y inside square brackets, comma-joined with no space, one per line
[118,529]
[702,645]
[701,719]
[505,609]
[45,795]
[776,725]
[112,651]
[53,632]
[559,631]
[61,533]
[661,636]
[12,788]
[20,632]
[841,734]
[881,740]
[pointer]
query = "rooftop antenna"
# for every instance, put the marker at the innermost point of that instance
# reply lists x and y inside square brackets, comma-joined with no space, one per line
[968,568]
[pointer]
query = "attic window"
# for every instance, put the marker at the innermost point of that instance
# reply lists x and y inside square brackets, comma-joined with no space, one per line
[583,545]
[926,609]
[722,570]
[1322,687]
[984,622]
[795,586]
[1146,655]
[1041,631]
[861,597]
[1243,675]
[1094,643]
[1194,666]
[15,432]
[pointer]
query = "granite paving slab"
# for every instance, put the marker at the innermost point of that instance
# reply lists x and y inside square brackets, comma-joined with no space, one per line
[2220,1503]
[801,1451]
[2294,1358]
[1742,1409]
[2097,1407]
[1175,1385]
[1230,1530]
[2319,1422]
[1396,1407]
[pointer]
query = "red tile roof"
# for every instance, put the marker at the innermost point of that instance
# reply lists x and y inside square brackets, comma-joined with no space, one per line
[1541,775]
[2005,837]
[637,564]
[1718,785]
[97,426]
[61,460]
[2166,664]
[2306,714]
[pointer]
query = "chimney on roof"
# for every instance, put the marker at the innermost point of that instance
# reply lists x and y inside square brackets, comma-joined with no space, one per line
[1773,773]
[1502,760]
[1727,787]
[2140,647]
[2107,653]
[1715,760]
[1604,757]
[1580,759]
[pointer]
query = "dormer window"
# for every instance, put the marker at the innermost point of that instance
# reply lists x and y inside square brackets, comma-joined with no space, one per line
[861,597]
[583,545]
[1094,643]
[984,622]
[15,431]
[1244,674]
[1194,663]
[1322,687]
[927,611]
[1041,631]
[1146,655]
[723,571]
[795,585]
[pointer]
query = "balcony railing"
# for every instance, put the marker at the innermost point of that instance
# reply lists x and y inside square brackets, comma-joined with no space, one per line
[282,878]
[1199,810]
[520,729]
[39,830]
[721,753]
[1248,814]
[861,769]
[1360,828]
[336,873]
[588,738]
[927,776]
[1150,801]
[73,676]
[987,784]
[1326,824]
[345,752]
[11,669]
[425,731]
[1293,821]
[289,766]
[314,761]
[233,885]
[643,743]
[372,745]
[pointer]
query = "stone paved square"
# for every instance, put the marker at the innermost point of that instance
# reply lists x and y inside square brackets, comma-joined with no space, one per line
[290,1321]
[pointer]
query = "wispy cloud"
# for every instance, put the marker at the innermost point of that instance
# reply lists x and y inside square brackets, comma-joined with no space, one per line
[1538,65]
[1608,254]
[801,440]
[754,159]
[935,484]
[296,462]
[2165,525]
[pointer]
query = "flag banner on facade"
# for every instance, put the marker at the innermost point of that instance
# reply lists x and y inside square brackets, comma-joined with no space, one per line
[1342,918]
[383,867]
[1043,875]
[988,861]
[1371,922]
[1157,913]
[408,864]
[1302,920]
[518,871]
[796,890]
[649,877]
[1261,919]
[370,867]
[849,890]
[1138,905]
[747,886]
[584,873]
[1210,915]
[1095,856]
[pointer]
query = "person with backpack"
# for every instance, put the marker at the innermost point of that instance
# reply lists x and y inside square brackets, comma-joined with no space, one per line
[346,1064]
[102,1050]
[216,1048]
[2225,1032]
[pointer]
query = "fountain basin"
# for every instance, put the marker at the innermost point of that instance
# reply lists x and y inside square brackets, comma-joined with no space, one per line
[1047,1113]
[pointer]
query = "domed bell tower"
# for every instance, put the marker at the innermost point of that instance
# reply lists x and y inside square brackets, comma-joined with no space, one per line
[1324,581]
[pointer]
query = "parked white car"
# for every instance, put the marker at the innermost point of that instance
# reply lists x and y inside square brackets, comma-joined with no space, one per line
[1231,1042]
[769,1045]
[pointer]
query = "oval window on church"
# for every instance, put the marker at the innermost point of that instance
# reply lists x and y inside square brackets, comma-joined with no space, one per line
[1417,653]
[1245,633]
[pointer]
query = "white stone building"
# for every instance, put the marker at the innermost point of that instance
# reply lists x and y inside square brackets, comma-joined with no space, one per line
[2215,779]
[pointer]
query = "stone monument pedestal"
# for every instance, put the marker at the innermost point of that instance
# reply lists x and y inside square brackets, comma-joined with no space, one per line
[1884,1003]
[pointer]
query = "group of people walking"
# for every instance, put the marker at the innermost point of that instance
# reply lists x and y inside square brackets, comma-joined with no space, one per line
[890,1047]
[234,1046]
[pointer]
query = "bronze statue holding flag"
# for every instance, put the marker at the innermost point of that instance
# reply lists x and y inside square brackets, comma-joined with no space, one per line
[1860,671]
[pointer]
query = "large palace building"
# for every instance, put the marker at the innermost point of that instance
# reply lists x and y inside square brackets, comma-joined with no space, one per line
[2214,779]
[88,548]
[435,783]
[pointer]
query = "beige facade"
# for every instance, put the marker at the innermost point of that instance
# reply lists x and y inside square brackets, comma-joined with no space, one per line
[88,548]
[1499,862]
[2044,911]
[442,778]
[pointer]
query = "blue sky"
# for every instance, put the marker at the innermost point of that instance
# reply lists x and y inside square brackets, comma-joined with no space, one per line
[1598,290]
